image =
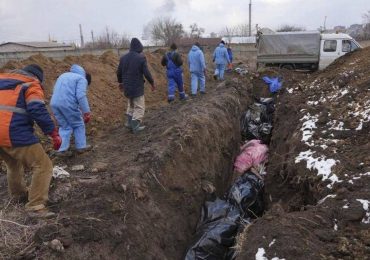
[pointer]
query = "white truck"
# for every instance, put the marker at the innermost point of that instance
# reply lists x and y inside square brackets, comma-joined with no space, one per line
[302,50]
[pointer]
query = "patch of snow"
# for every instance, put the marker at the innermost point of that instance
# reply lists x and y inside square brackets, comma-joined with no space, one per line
[272,242]
[328,196]
[344,92]
[346,206]
[290,90]
[307,127]
[350,181]
[321,164]
[335,225]
[261,255]
[365,205]
[336,125]
[359,126]
[310,103]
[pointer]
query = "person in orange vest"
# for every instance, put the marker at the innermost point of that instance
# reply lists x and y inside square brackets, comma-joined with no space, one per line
[21,104]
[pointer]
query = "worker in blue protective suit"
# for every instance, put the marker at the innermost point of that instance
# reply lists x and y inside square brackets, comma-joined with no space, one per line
[71,108]
[221,58]
[197,67]
[173,62]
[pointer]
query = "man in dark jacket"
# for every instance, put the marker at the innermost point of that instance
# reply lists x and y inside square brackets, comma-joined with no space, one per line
[173,62]
[130,74]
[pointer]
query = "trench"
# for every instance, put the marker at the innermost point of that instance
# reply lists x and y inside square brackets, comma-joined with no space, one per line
[223,216]
[218,226]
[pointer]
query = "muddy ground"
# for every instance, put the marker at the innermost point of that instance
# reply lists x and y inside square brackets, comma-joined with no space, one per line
[139,197]
[318,176]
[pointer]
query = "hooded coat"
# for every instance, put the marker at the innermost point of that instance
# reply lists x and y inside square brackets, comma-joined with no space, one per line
[21,104]
[196,60]
[70,90]
[132,69]
[220,55]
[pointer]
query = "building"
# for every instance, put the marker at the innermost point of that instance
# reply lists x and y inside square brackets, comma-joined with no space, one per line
[34,46]
[240,39]
[355,30]
[188,42]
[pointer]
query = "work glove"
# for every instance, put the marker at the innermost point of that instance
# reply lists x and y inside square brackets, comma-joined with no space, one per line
[87,117]
[153,87]
[57,141]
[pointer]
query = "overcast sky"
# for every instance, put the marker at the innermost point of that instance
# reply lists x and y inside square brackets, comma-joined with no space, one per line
[34,20]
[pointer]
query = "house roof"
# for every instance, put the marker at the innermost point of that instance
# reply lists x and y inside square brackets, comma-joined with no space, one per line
[40,44]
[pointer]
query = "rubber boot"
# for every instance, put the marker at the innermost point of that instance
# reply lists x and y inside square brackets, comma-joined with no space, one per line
[86,149]
[136,127]
[183,97]
[128,121]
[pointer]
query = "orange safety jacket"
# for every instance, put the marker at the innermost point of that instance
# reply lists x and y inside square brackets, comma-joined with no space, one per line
[22,104]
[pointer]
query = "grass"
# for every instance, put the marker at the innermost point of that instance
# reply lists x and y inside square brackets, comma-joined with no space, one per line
[15,235]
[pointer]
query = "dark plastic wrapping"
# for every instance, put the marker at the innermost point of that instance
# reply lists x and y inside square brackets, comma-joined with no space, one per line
[220,219]
[256,123]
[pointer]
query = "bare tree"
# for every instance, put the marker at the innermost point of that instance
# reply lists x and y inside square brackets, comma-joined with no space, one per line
[213,35]
[366,25]
[228,32]
[109,39]
[196,31]
[164,30]
[290,28]
[242,30]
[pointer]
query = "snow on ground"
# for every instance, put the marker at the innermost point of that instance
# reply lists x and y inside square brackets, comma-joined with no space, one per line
[309,123]
[321,164]
[260,255]
[365,205]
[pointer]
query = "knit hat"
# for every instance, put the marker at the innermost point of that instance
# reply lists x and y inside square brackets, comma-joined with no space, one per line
[223,42]
[35,70]
[173,46]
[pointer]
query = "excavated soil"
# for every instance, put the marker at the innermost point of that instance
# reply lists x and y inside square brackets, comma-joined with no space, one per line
[319,168]
[139,196]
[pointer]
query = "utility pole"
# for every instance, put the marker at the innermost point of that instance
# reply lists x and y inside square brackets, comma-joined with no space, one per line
[107,30]
[92,37]
[325,23]
[250,17]
[82,37]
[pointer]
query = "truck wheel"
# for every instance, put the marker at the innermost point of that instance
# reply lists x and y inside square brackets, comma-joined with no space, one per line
[287,66]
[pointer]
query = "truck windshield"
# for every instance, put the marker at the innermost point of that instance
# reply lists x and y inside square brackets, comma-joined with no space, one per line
[354,45]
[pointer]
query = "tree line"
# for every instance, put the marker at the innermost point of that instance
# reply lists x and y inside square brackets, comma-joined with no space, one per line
[165,30]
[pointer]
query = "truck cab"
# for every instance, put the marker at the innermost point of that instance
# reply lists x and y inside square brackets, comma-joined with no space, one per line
[333,46]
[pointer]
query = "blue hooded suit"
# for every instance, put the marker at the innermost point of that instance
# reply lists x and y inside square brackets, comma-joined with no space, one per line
[221,58]
[197,66]
[69,103]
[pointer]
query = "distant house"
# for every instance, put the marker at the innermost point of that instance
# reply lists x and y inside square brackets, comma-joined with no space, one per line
[188,42]
[339,28]
[240,39]
[34,46]
[355,30]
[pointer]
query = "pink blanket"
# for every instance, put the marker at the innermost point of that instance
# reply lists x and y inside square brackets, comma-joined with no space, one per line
[252,154]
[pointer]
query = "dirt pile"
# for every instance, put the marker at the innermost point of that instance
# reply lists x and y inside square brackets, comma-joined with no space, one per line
[106,101]
[318,175]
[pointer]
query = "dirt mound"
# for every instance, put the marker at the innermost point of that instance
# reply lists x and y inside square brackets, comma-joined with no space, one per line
[319,170]
[106,101]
